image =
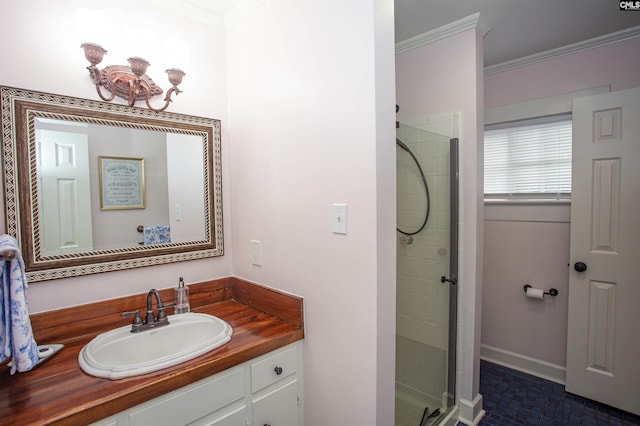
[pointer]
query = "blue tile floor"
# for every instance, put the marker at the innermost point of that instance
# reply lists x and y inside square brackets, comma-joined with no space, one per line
[514,398]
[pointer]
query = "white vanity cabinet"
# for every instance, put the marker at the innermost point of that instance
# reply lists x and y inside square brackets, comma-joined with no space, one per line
[275,387]
[264,391]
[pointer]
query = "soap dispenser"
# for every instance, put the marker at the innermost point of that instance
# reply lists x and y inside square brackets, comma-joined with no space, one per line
[182,298]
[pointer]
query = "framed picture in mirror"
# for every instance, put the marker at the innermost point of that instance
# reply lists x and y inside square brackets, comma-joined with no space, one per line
[121,183]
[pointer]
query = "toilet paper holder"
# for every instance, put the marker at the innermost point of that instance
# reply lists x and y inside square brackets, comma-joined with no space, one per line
[551,292]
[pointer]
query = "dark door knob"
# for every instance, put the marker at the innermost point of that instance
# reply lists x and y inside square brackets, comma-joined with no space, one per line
[580,266]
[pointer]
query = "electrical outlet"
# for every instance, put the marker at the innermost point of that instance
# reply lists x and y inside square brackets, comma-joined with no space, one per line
[254,253]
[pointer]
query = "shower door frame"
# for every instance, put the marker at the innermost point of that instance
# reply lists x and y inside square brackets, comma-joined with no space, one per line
[454,178]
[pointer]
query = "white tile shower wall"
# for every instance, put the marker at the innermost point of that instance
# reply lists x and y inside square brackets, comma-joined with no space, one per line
[446,124]
[421,369]
[422,300]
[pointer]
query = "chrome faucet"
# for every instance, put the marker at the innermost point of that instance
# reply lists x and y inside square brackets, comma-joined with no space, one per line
[151,321]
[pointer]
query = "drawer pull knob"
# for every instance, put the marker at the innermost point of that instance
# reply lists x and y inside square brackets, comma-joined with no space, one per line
[278,371]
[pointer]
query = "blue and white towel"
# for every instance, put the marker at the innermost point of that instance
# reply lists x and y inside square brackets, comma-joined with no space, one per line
[157,235]
[16,336]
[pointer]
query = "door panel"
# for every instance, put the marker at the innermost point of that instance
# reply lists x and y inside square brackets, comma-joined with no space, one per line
[603,340]
[605,206]
[65,192]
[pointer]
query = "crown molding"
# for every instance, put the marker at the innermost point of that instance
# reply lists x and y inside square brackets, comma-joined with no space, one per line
[186,9]
[571,49]
[456,27]
[240,11]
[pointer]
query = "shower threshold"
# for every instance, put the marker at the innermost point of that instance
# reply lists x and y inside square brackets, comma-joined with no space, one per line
[411,406]
[432,418]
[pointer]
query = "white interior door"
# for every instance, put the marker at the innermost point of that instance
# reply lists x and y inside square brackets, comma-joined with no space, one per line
[65,194]
[603,341]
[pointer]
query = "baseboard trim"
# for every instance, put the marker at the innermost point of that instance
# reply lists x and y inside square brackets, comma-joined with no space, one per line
[471,412]
[536,367]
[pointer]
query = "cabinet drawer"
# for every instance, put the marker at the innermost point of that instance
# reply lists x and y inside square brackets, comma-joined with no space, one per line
[186,405]
[276,367]
[237,417]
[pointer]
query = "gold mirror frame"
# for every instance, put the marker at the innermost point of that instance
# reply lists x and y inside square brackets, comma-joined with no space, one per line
[20,108]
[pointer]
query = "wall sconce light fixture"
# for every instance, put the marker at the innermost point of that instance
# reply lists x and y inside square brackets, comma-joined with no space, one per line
[128,82]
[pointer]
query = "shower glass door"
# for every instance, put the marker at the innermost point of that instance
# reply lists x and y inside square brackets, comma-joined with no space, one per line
[426,255]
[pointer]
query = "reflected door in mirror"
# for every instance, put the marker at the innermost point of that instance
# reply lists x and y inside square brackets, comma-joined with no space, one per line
[65,196]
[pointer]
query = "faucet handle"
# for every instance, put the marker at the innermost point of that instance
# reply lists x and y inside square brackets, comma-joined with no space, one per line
[137,319]
[162,315]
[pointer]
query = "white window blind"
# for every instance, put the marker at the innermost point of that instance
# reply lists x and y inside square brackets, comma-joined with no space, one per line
[528,159]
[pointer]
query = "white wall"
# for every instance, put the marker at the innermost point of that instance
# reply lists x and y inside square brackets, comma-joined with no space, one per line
[532,244]
[311,112]
[617,64]
[186,186]
[439,77]
[518,253]
[42,52]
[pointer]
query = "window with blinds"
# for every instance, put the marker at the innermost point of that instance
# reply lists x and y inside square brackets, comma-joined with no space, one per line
[528,159]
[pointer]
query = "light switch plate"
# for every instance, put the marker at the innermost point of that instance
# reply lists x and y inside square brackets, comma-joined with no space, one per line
[339,218]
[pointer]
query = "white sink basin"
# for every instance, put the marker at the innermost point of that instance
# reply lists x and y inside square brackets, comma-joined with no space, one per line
[119,353]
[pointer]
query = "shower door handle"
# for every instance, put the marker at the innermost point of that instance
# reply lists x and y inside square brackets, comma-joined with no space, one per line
[453,280]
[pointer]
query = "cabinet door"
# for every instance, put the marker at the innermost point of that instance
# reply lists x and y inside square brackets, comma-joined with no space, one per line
[277,407]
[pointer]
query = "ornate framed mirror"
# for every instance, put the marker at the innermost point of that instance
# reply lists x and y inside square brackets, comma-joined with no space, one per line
[162,182]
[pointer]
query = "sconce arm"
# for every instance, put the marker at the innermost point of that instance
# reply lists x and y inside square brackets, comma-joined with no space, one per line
[99,80]
[104,98]
[167,99]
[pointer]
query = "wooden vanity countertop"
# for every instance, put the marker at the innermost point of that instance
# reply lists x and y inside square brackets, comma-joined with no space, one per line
[59,392]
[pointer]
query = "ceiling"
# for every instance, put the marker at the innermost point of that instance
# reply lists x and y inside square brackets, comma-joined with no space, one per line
[516,28]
